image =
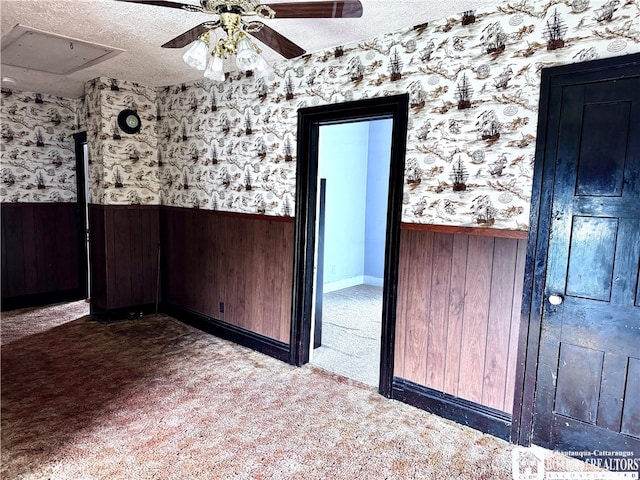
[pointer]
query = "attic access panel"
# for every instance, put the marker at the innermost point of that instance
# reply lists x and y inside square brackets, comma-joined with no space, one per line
[34,49]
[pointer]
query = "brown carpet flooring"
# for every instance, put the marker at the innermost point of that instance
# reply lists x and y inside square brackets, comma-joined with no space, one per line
[153,398]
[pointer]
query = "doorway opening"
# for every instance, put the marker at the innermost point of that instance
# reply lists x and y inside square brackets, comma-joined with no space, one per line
[82,211]
[392,111]
[353,171]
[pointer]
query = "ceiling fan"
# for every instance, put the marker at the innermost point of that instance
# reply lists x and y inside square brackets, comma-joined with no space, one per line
[231,17]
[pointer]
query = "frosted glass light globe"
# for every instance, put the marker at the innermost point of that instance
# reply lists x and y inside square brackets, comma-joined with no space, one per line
[215,70]
[196,56]
[246,58]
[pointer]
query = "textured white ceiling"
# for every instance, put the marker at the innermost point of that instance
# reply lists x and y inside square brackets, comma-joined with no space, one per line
[141,29]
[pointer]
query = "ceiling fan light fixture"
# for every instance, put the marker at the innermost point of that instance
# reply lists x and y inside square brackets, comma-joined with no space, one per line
[247,57]
[215,69]
[231,19]
[262,68]
[196,56]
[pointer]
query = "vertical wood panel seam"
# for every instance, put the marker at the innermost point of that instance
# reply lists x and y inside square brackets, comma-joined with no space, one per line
[511,301]
[108,222]
[35,255]
[128,216]
[3,232]
[464,307]
[399,352]
[448,316]
[513,297]
[24,280]
[410,248]
[429,312]
[486,332]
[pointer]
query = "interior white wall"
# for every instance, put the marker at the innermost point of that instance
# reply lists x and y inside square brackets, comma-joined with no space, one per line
[354,158]
[342,160]
[379,153]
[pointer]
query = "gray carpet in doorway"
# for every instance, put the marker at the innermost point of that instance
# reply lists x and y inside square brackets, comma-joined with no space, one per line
[351,331]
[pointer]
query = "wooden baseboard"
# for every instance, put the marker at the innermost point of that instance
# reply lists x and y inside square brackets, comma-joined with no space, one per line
[476,416]
[39,299]
[246,338]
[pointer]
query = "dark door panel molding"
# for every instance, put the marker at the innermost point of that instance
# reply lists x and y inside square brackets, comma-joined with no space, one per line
[565,203]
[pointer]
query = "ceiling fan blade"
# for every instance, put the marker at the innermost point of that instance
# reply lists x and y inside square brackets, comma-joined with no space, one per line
[279,43]
[166,3]
[326,9]
[190,35]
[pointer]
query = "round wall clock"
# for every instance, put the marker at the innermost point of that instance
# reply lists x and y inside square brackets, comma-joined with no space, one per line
[129,121]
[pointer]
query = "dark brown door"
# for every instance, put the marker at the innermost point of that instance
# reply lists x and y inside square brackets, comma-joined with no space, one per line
[588,376]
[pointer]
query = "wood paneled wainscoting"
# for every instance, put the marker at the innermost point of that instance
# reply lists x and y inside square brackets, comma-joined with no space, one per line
[232,273]
[41,258]
[458,317]
[124,258]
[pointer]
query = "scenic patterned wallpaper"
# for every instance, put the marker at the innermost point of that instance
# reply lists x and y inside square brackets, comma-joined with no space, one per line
[123,168]
[473,80]
[474,85]
[37,151]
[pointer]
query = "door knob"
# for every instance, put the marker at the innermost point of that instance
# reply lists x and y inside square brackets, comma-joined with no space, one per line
[555,299]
